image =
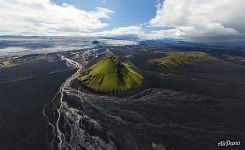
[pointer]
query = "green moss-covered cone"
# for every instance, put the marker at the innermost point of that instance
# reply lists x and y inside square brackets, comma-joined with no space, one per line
[110,76]
[175,59]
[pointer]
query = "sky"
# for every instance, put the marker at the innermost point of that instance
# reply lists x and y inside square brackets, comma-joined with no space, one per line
[125,12]
[141,19]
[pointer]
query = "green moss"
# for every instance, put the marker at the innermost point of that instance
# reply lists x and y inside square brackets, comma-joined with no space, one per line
[11,63]
[110,75]
[234,58]
[175,59]
[7,64]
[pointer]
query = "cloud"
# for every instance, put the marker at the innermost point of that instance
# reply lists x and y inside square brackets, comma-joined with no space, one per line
[162,34]
[189,19]
[139,32]
[123,31]
[198,18]
[43,17]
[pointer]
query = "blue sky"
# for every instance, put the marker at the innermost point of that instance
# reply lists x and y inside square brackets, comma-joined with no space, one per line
[126,12]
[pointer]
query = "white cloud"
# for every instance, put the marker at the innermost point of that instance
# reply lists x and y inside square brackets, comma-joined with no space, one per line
[190,19]
[161,34]
[197,18]
[140,33]
[43,17]
[123,31]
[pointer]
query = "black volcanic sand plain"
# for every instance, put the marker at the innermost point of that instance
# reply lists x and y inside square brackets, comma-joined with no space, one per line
[24,90]
[190,107]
